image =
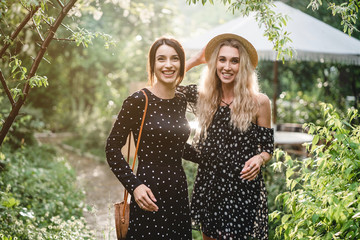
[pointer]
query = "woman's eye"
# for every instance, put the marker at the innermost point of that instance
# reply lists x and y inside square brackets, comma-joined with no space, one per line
[222,60]
[160,59]
[235,61]
[176,58]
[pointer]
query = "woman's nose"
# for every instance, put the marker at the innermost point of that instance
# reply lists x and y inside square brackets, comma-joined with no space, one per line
[227,65]
[168,63]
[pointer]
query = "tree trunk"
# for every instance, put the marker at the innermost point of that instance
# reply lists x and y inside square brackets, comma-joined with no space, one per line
[15,110]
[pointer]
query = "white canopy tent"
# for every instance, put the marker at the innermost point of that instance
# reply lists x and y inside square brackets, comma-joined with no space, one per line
[313,40]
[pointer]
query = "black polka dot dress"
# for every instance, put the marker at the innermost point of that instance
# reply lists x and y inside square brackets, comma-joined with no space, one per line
[224,205]
[163,138]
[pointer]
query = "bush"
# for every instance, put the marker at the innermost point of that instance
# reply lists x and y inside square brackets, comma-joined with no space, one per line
[39,198]
[21,132]
[322,201]
[298,108]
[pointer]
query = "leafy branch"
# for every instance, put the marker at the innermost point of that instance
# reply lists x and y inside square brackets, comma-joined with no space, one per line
[7,91]
[273,23]
[84,37]
[32,80]
[45,25]
[18,30]
[322,201]
[348,11]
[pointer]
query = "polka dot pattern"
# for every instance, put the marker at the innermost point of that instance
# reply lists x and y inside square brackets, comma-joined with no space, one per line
[160,168]
[224,205]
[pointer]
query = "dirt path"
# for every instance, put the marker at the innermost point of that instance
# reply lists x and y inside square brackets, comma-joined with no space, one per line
[100,185]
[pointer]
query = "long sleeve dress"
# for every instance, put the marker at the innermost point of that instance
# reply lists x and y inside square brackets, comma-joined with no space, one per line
[224,205]
[160,168]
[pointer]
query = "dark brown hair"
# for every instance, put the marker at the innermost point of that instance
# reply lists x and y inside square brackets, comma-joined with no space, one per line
[152,52]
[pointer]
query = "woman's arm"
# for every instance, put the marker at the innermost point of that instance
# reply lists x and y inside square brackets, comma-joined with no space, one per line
[197,59]
[263,118]
[128,120]
[190,154]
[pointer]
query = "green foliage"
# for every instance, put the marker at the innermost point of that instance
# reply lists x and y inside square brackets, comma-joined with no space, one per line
[84,96]
[272,22]
[303,85]
[347,10]
[22,131]
[298,108]
[85,38]
[275,185]
[38,81]
[25,46]
[323,197]
[93,131]
[18,71]
[39,198]
[191,171]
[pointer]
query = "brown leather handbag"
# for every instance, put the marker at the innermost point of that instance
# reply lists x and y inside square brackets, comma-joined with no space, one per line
[122,209]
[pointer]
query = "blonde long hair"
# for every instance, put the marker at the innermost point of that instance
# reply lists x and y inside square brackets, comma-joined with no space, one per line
[245,104]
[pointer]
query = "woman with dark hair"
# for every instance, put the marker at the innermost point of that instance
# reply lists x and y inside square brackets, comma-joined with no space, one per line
[160,205]
[235,140]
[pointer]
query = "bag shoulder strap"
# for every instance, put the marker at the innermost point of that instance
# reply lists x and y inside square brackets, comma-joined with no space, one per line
[140,131]
[136,150]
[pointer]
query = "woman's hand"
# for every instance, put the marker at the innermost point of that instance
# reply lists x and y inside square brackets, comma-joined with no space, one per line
[252,168]
[145,198]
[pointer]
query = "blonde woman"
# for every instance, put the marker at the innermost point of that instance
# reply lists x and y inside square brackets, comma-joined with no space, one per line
[235,140]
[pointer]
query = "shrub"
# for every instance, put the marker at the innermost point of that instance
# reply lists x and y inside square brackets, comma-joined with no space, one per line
[322,200]
[39,198]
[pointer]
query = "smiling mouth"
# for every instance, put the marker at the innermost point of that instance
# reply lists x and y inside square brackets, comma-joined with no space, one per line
[226,75]
[168,73]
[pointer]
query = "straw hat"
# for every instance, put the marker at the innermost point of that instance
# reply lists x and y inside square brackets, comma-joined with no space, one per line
[212,44]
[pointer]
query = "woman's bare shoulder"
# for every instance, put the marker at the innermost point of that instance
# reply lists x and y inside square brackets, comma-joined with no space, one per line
[263,99]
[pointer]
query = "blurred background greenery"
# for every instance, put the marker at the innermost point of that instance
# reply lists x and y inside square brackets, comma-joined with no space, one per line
[88,84]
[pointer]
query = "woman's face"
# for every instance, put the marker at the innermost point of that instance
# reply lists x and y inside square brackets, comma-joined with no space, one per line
[227,64]
[167,65]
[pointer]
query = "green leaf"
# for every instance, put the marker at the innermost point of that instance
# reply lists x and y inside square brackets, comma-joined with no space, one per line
[10,202]
[285,218]
[277,166]
[293,184]
[289,172]
[315,218]
[356,216]
[357,151]
[315,140]
[38,81]
[355,146]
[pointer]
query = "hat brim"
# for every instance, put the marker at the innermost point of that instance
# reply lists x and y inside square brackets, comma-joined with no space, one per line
[213,43]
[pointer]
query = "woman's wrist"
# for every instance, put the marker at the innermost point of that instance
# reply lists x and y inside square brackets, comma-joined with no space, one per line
[263,159]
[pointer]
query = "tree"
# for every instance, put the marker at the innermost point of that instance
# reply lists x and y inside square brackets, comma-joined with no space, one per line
[43,17]
[30,79]
[88,92]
